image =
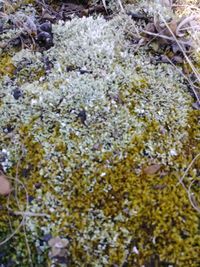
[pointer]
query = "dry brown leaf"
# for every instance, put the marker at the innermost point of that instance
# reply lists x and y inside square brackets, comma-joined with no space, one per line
[58,246]
[58,242]
[163,30]
[152,169]
[5,187]
[47,16]
[173,26]
[150,27]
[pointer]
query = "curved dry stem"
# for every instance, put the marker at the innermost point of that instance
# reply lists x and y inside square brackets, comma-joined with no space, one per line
[183,23]
[189,189]
[187,79]
[196,73]
[188,168]
[191,197]
[167,37]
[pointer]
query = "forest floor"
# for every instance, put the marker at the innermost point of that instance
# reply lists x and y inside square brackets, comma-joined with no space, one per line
[99,133]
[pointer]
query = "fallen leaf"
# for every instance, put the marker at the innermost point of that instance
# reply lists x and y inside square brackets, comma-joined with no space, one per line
[5,187]
[58,242]
[177,59]
[58,246]
[152,169]
[172,26]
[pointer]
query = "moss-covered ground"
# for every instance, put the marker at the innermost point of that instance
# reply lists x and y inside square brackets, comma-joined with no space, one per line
[96,138]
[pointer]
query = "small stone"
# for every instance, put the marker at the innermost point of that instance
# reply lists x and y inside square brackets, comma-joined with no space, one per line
[17,93]
[46,27]
[45,39]
[38,185]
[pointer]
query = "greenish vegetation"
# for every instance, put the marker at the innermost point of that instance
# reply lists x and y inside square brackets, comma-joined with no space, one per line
[96,139]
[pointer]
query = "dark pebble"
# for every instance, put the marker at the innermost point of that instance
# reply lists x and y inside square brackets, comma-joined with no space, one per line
[38,185]
[45,39]
[46,27]
[17,93]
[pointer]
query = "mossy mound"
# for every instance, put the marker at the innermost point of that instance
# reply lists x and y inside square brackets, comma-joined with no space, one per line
[80,124]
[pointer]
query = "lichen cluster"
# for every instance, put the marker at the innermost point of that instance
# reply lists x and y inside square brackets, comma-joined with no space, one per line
[86,173]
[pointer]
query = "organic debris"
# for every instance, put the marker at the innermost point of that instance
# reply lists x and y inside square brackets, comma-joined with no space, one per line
[58,247]
[152,169]
[174,33]
[5,187]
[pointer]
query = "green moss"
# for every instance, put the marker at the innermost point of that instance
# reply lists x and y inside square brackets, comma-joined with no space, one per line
[30,75]
[150,213]
[6,65]
[155,212]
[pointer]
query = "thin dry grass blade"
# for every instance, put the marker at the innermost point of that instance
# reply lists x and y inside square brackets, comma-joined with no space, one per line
[104,4]
[184,53]
[121,6]
[184,22]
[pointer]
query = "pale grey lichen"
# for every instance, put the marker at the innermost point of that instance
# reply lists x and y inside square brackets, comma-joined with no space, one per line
[26,57]
[93,67]
[6,37]
[100,49]
[151,8]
